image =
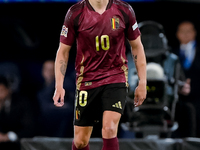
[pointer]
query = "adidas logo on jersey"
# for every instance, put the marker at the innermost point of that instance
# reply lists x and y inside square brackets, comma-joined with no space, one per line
[117,105]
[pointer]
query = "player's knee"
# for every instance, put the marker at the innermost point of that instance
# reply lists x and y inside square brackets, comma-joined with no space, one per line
[109,131]
[80,144]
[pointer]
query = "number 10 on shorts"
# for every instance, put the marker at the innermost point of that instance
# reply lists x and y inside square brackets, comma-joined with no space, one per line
[81,98]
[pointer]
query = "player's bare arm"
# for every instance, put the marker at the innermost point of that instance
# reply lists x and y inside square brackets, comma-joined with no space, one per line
[140,63]
[62,57]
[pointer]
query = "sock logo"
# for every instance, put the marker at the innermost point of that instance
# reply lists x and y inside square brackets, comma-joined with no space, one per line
[117,105]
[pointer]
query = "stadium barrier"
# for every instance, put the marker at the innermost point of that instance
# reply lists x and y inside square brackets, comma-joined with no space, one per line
[46,143]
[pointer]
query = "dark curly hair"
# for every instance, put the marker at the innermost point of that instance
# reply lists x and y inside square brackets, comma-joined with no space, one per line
[4,81]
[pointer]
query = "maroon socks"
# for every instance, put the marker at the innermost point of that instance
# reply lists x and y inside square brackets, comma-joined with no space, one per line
[110,144]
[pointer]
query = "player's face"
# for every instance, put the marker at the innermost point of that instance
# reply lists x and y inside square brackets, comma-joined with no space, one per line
[4,92]
[186,33]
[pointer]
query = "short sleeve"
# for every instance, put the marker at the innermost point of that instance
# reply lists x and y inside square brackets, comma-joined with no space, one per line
[132,29]
[67,35]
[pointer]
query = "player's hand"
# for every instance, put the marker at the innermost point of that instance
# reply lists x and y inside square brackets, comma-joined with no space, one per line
[58,97]
[140,94]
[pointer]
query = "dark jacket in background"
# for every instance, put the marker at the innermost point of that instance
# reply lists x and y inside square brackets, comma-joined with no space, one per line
[19,119]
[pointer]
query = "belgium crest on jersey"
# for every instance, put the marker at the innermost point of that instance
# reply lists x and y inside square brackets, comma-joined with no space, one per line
[115,23]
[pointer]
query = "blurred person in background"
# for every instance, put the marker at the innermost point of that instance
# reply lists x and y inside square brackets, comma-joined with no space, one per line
[12,72]
[157,51]
[53,121]
[48,72]
[188,51]
[17,119]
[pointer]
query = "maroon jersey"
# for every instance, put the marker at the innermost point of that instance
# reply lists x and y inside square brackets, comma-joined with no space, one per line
[100,41]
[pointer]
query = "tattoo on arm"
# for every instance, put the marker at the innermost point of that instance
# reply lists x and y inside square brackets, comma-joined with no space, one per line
[135,60]
[63,67]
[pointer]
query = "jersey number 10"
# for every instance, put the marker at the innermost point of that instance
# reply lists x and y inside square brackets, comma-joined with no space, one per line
[105,43]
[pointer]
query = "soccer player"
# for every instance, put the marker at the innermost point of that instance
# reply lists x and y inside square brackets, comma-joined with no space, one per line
[100,28]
